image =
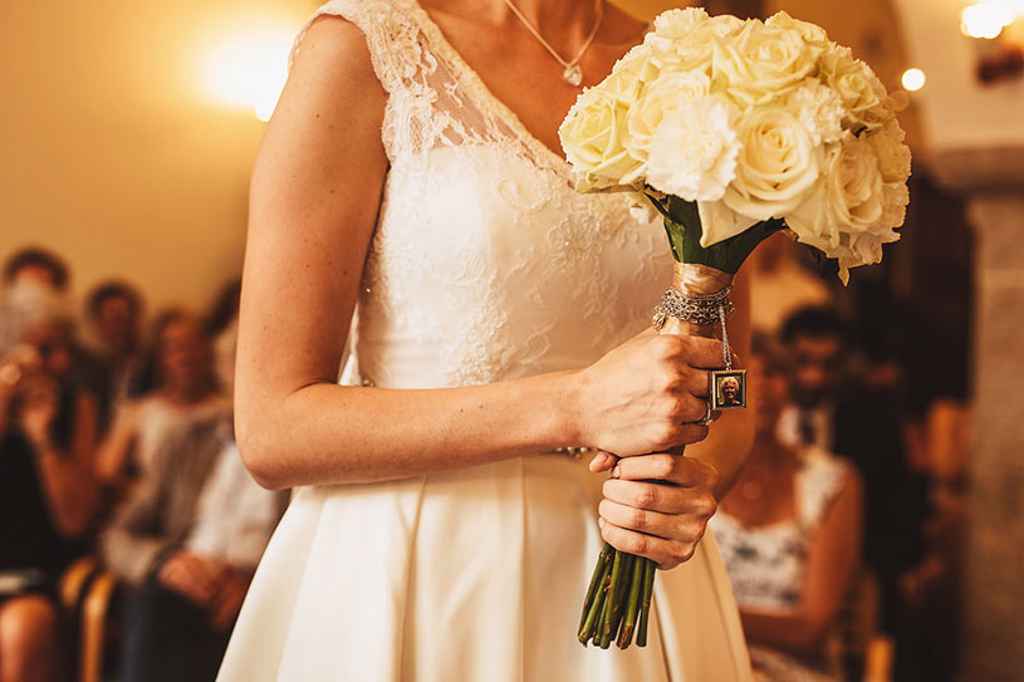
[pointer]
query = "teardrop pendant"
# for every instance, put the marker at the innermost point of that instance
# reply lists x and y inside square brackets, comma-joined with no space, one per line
[573,75]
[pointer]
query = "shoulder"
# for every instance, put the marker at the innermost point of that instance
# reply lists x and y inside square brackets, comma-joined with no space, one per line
[824,478]
[332,46]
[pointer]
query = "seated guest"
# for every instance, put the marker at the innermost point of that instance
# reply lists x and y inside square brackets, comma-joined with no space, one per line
[114,310]
[861,420]
[179,387]
[789,533]
[48,494]
[188,541]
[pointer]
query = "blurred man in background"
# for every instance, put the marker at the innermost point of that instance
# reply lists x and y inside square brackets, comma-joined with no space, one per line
[860,418]
[114,311]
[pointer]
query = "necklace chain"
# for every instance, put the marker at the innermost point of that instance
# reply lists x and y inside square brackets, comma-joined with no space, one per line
[572,65]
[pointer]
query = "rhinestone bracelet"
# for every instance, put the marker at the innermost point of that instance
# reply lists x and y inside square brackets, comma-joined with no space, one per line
[703,310]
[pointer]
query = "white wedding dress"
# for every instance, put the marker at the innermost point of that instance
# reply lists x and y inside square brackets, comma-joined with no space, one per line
[485,266]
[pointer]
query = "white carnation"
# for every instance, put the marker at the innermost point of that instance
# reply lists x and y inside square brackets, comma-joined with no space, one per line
[820,110]
[680,23]
[893,154]
[866,101]
[693,153]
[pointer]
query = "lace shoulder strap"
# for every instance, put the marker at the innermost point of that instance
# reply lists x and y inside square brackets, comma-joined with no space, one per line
[818,483]
[430,104]
[392,36]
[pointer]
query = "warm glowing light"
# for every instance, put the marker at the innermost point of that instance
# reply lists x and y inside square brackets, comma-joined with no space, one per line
[913,80]
[988,18]
[249,70]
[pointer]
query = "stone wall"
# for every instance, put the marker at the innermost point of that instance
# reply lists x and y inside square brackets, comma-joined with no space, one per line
[994,590]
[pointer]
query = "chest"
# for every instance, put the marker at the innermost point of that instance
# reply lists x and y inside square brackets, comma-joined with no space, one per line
[520,72]
[758,501]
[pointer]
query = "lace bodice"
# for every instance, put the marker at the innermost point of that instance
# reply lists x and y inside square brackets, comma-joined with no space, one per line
[767,564]
[485,264]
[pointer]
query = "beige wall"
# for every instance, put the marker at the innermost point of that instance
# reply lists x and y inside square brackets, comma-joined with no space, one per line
[113,154]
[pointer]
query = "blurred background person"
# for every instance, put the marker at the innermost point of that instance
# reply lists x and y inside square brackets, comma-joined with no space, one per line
[48,491]
[188,541]
[782,283]
[789,533]
[851,403]
[114,310]
[29,275]
[176,386]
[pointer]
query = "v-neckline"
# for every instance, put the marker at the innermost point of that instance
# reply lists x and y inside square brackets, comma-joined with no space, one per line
[475,82]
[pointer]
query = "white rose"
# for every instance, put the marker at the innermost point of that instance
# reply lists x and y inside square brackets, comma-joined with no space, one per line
[778,164]
[592,138]
[719,222]
[846,198]
[893,155]
[668,92]
[862,249]
[693,153]
[811,33]
[851,211]
[866,101]
[763,62]
[820,110]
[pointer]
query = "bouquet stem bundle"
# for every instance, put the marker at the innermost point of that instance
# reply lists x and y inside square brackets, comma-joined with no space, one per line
[618,603]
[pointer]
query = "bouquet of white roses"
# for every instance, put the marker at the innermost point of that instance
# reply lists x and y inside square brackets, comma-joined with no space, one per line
[733,130]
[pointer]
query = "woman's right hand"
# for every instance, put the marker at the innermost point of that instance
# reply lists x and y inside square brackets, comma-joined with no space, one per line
[647,395]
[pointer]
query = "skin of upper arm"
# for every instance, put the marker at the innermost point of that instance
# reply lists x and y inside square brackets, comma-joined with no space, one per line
[834,554]
[315,195]
[112,452]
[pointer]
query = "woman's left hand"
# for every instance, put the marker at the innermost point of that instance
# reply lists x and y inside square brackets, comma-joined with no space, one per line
[656,506]
[39,408]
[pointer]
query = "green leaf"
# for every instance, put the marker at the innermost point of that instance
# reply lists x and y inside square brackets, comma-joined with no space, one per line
[684,229]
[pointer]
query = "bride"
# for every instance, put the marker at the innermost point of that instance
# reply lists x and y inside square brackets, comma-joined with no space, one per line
[409,203]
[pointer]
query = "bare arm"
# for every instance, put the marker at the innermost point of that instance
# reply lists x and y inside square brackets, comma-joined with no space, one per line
[113,452]
[315,197]
[68,478]
[834,556]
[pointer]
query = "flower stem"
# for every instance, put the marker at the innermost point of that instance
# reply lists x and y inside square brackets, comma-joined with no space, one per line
[595,603]
[593,624]
[611,603]
[633,603]
[600,570]
[645,606]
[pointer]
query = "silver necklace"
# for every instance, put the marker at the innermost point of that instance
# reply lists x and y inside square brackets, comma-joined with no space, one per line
[572,74]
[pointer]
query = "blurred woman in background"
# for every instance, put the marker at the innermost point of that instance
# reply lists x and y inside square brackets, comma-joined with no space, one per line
[48,492]
[789,533]
[178,386]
